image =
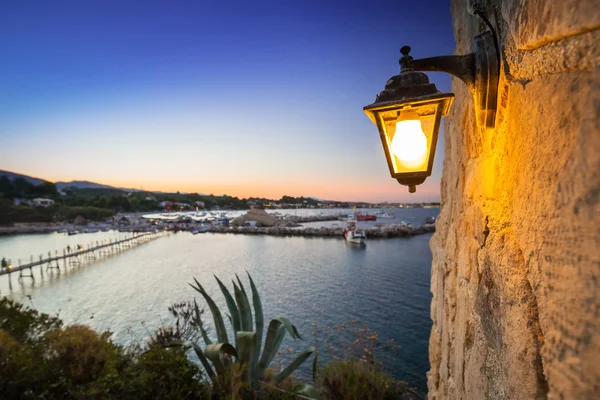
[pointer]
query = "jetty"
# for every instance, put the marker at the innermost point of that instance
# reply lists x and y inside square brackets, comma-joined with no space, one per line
[78,255]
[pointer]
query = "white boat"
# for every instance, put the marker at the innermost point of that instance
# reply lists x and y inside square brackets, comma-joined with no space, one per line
[385,215]
[354,235]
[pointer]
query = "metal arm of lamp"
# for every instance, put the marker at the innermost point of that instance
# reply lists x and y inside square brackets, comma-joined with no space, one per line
[479,70]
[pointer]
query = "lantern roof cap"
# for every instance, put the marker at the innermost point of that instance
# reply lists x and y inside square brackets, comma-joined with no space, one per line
[407,85]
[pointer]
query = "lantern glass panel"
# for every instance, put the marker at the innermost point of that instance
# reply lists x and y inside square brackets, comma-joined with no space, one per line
[409,136]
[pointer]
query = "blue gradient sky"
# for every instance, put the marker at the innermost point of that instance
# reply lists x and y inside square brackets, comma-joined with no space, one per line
[248,98]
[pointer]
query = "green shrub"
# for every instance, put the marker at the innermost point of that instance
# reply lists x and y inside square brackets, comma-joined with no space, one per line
[359,380]
[25,324]
[81,355]
[40,359]
[230,384]
[161,373]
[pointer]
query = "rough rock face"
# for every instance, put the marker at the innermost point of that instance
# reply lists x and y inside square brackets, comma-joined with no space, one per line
[516,254]
[260,216]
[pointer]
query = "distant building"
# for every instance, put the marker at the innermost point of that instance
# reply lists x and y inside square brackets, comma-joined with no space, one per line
[40,202]
[165,204]
[199,204]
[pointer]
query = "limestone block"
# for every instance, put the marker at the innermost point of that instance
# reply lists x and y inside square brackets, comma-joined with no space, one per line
[534,23]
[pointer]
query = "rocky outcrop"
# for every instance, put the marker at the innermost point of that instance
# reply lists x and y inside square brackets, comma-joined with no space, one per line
[516,265]
[261,217]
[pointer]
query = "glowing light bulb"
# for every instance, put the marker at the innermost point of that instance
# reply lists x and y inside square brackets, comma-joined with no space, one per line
[409,143]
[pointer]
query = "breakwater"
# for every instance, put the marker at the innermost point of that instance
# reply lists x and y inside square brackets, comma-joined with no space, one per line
[312,218]
[388,231]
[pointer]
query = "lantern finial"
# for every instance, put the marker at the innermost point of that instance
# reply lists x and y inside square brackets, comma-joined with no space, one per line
[406,60]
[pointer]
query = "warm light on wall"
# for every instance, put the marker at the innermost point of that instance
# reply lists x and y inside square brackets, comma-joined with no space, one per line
[409,110]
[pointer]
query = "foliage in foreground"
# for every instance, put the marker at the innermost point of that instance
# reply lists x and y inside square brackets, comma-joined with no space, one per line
[354,371]
[353,379]
[245,357]
[41,359]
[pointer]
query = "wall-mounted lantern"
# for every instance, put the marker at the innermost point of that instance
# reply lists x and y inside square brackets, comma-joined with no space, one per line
[409,110]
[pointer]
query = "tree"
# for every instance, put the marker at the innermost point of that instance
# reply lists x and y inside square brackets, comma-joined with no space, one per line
[101,202]
[7,188]
[134,202]
[22,187]
[119,203]
[46,189]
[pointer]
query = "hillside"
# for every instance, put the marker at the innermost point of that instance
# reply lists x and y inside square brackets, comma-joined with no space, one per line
[60,185]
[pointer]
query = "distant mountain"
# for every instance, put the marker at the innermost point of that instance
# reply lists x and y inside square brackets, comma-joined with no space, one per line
[13,175]
[62,185]
[82,185]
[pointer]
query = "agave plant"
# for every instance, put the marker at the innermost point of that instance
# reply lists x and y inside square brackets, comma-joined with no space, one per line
[247,336]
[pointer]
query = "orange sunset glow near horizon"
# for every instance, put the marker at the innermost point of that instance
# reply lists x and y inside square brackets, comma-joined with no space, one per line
[256,100]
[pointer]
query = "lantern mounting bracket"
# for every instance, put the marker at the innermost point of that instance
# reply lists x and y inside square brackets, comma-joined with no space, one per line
[479,70]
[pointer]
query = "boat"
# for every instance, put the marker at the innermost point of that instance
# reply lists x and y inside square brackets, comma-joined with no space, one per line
[367,217]
[354,235]
[71,233]
[386,215]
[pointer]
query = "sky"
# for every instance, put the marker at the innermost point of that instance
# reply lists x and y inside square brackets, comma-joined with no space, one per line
[246,98]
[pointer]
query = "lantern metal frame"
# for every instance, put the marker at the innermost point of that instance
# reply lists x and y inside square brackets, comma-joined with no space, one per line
[478,70]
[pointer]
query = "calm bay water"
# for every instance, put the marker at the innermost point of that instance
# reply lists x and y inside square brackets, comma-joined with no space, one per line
[316,280]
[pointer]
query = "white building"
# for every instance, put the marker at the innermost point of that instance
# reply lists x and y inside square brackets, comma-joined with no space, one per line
[40,202]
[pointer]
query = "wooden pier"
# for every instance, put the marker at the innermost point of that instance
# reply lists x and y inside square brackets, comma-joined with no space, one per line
[78,255]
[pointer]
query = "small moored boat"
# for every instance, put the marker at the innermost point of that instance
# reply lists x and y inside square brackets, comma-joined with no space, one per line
[386,216]
[354,235]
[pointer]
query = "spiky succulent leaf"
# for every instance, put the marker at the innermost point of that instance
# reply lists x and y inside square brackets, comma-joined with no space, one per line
[219,324]
[200,325]
[246,345]
[244,308]
[289,326]
[275,335]
[213,353]
[199,353]
[204,361]
[314,367]
[294,365]
[258,319]
[233,310]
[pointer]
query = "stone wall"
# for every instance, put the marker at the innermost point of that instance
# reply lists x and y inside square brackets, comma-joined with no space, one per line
[516,255]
